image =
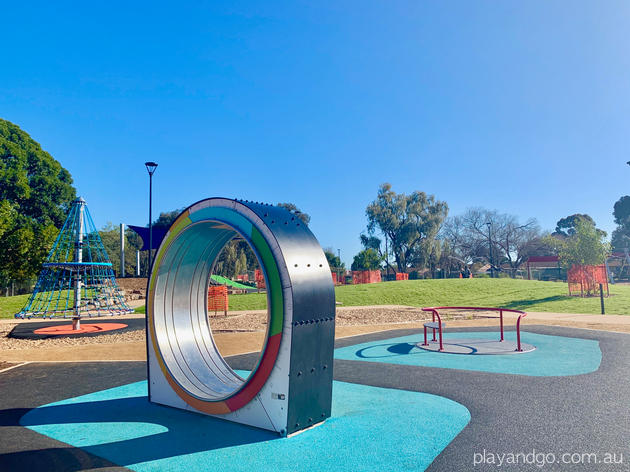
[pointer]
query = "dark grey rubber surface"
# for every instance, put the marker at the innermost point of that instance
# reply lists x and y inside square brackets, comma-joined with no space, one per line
[32,385]
[510,413]
[513,413]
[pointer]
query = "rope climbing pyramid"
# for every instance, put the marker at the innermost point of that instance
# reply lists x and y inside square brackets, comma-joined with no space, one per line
[77,278]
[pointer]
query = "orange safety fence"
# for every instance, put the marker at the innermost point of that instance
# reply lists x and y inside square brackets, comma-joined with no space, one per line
[366,276]
[402,276]
[218,298]
[260,278]
[338,277]
[584,280]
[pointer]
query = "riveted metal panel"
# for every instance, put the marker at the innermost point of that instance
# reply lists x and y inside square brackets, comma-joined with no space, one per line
[311,373]
[313,334]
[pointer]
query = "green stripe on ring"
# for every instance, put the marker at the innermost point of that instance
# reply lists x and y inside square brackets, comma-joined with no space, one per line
[276,310]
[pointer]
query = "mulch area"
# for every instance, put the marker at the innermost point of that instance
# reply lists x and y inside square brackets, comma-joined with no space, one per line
[232,323]
[346,316]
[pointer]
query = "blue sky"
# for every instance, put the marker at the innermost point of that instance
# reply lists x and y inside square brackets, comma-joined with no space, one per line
[518,106]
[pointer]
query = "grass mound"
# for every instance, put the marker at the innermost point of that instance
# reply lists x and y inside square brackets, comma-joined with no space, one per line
[229,282]
[528,295]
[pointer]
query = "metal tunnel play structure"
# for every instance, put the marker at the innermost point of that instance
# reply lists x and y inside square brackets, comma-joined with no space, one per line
[291,386]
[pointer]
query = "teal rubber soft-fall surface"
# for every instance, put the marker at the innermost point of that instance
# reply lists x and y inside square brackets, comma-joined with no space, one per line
[371,429]
[553,356]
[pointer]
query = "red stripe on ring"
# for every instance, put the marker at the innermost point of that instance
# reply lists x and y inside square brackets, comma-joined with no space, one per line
[261,375]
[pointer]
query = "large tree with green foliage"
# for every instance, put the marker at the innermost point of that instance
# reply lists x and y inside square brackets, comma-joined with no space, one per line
[408,221]
[567,226]
[35,196]
[367,259]
[585,246]
[621,210]
[374,242]
[621,235]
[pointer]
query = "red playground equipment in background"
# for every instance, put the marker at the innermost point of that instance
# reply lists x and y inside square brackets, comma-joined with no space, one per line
[260,279]
[362,276]
[584,280]
[218,299]
[437,325]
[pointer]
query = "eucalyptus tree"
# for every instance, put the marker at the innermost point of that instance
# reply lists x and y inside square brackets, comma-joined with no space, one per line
[407,221]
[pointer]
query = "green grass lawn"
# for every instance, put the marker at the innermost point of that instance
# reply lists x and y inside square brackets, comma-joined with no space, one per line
[518,294]
[9,306]
[528,295]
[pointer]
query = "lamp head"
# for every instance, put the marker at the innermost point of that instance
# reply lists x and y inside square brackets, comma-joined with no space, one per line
[151,166]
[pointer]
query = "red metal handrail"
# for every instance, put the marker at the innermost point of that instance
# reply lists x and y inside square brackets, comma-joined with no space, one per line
[523,314]
[435,313]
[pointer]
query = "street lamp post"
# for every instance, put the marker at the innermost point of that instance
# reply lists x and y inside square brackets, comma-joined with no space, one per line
[151,166]
[490,251]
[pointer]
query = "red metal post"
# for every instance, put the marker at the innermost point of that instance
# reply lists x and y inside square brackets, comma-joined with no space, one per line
[518,332]
[435,313]
[426,343]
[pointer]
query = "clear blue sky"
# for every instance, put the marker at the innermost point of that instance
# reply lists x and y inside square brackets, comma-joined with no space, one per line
[519,106]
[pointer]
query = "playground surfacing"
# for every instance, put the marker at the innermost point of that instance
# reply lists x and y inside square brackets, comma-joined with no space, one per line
[553,356]
[121,426]
[508,412]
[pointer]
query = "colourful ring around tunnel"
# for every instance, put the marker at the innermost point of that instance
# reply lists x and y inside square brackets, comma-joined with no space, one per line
[177,309]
